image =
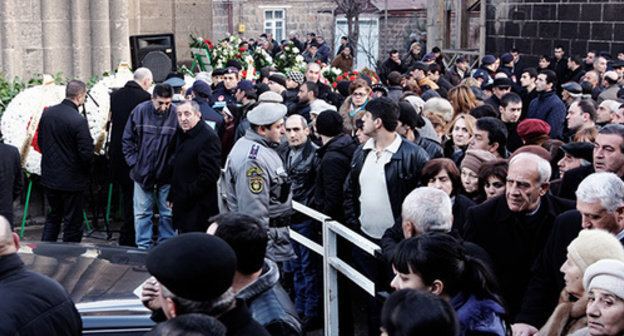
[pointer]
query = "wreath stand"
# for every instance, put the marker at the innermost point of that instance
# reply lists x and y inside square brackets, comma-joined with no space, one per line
[201,58]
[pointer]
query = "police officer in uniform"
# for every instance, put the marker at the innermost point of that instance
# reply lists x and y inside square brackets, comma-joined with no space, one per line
[256,182]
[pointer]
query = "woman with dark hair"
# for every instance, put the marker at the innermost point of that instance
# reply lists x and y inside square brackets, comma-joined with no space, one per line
[409,312]
[444,175]
[492,177]
[437,262]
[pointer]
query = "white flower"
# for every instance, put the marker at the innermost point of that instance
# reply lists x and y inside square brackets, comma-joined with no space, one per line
[296,50]
[299,58]
[282,56]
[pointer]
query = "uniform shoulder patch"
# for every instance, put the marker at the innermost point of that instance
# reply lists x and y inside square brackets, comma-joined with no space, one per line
[256,183]
[253,152]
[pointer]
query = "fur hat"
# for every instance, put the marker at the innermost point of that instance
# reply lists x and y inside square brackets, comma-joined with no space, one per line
[475,158]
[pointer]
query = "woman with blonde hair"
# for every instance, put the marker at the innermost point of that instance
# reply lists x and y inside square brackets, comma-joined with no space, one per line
[463,99]
[353,107]
[459,131]
[412,56]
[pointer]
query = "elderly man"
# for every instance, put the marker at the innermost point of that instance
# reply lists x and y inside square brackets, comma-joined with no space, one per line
[514,227]
[32,303]
[123,101]
[256,181]
[187,278]
[193,195]
[66,158]
[575,154]
[608,157]
[148,147]
[610,85]
[600,205]
[605,111]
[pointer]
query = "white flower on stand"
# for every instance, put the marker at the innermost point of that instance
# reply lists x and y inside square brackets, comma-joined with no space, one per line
[296,50]
[299,58]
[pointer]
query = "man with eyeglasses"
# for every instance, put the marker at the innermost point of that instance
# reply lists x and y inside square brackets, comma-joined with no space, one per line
[147,144]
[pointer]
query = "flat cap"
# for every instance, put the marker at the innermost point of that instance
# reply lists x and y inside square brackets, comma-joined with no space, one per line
[266,113]
[572,87]
[270,97]
[175,82]
[488,59]
[428,57]
[502,82]
[579,150]
[278,78]
[506,58]
[245,85]
[199,86]
[461,59]
[195,266]
[420,66]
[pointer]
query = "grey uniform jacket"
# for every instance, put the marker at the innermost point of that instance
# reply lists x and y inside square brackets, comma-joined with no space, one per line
[256,184]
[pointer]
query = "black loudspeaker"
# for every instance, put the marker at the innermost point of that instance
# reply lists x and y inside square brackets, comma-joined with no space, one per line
[155,52]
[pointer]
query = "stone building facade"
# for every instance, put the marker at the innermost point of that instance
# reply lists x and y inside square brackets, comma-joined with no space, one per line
[85,38]
[535,27]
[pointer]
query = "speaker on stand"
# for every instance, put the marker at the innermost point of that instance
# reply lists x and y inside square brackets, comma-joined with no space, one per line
[155,52]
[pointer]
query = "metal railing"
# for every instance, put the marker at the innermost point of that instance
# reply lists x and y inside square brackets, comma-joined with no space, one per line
[332,264]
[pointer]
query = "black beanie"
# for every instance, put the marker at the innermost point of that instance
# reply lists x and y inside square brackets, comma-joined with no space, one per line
[329,123]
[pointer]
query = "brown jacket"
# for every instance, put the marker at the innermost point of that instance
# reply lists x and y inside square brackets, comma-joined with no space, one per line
[568,317]
[347,121]
[343,62]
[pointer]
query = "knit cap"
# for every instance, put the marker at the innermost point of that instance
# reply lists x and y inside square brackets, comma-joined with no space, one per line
[593,245]
[607,274]
[296,76]
[475,158]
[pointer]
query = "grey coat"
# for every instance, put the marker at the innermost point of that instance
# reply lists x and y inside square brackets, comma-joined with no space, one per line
[256,184]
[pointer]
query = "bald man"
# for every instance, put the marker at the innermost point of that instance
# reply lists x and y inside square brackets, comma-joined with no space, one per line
[33,304]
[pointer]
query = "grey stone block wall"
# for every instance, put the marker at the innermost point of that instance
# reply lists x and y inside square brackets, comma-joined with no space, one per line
[535,27]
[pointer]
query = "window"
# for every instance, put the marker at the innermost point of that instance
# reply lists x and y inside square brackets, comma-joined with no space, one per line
[274,23]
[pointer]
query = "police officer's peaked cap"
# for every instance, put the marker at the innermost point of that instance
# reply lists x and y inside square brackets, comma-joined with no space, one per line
[195,266]
[266,113]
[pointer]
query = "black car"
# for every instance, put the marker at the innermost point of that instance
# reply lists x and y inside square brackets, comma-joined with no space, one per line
[103,281]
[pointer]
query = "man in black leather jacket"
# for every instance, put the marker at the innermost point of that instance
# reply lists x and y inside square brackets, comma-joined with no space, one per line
[373,198]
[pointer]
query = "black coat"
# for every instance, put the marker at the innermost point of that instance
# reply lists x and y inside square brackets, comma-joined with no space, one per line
[239,322]
[66,148]
[402,176]
[460,211]
[542,294]
[513,241]
[333,168]
[196,169]
[123,102]
[33,304]
[11,179]
[571,180]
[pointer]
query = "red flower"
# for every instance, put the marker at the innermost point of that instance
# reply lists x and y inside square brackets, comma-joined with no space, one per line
[238,55]
[352,78]
[318,62]
[339,78]
[355,73]
[334,84]
[207,41]
[242,49]
[244,72]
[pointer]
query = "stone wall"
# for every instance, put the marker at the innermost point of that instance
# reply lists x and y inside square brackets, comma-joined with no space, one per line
[85,38]
[535,27]
[302,16]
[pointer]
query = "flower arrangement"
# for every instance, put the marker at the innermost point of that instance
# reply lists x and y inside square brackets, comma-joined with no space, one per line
[331,74]
[200,42]
[262,58]
[370,73]
[289,59]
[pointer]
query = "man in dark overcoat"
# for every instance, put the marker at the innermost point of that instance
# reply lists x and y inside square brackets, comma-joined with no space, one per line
[123,101]
[66,159]
[196,169]
[513,228]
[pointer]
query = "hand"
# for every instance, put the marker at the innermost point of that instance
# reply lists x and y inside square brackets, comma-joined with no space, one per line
[170,205]
[523,329]
[150,293]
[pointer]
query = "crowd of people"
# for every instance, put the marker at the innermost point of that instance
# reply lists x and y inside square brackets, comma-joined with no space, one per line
[495,193]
